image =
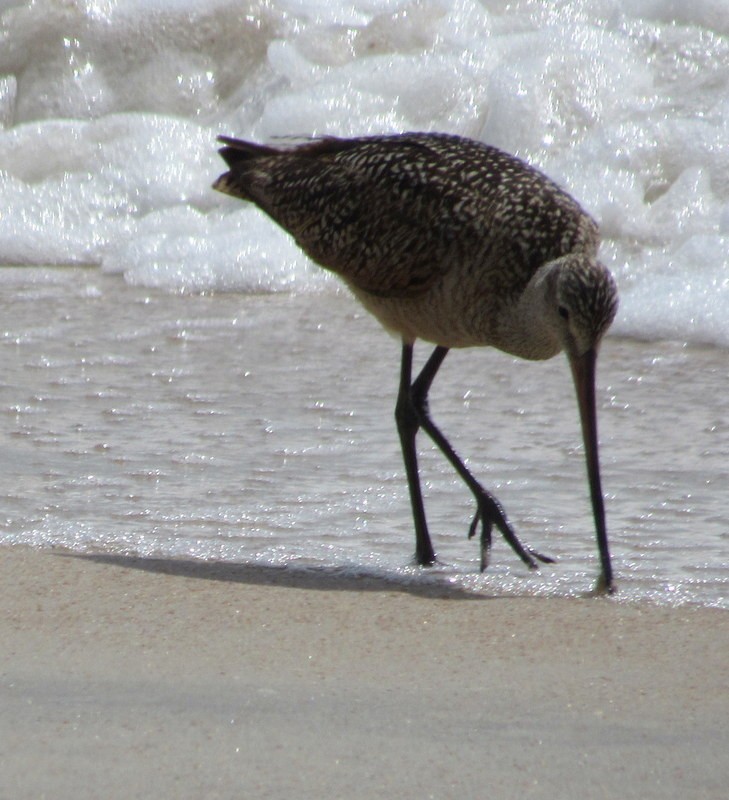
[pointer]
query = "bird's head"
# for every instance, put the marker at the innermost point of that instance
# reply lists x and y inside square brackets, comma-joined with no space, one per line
[586,301]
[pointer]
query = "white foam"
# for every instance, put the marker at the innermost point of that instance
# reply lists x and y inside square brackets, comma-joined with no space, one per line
[223,252]
[109,112]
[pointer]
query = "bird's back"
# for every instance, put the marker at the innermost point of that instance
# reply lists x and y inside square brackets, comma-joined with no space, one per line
[392,214]
[436,234]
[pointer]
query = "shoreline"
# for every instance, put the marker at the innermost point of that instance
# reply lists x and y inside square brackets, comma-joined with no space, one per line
[127,677]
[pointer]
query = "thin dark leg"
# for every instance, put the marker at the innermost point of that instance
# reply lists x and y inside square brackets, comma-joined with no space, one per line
[413,413]
[421,385]
[489,509]
[407,426]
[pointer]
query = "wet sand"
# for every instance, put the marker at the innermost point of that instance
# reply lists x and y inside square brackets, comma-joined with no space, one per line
[125,678]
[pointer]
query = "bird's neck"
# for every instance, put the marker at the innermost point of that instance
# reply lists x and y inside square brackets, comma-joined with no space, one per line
[528,326]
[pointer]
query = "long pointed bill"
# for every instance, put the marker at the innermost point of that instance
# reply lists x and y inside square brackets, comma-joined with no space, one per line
[583,372]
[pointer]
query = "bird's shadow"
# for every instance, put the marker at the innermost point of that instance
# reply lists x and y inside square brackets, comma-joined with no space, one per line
[312,578]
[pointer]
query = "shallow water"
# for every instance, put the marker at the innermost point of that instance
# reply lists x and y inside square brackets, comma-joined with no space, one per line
[138,417]
[259,428]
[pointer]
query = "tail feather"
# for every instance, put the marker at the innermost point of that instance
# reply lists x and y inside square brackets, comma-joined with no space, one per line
[241,156]
[237,150]
[228,184]
[236,153]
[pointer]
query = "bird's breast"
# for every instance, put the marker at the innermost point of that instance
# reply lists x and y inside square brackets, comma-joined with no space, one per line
[449,313]
[454,312]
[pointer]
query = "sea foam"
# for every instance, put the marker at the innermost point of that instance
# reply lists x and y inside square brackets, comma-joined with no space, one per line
[109,113]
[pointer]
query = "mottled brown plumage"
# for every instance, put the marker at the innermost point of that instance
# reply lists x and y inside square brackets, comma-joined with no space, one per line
[451,241]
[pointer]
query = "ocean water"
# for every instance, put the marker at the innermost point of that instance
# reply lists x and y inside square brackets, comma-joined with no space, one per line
[179,381]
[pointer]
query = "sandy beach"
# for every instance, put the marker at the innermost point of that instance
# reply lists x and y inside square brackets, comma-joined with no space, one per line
[206,534]
[125,678]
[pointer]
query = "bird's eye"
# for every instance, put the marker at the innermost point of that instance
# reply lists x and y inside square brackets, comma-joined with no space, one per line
[562,311]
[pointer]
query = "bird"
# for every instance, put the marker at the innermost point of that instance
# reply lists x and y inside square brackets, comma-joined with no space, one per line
[456,243]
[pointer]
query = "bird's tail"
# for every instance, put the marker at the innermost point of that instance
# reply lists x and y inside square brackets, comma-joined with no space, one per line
[239,156]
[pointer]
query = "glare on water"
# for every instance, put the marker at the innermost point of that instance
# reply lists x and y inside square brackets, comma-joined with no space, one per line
[254,422]
[260,429]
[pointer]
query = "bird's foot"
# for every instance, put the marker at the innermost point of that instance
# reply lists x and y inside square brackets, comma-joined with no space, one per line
[541,557]
[603,587]
[425,557]
[487,526]
[490,513]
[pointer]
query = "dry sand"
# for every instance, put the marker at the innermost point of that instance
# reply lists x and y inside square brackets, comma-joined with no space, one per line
[125,678]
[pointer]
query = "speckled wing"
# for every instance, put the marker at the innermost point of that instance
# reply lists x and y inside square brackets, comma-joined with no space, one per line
[393,214]
[351,208]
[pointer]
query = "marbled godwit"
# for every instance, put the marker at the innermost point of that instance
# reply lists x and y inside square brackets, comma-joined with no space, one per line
[459,244]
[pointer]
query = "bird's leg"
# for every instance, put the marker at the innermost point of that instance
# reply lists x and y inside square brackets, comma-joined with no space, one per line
[489,510]
[408,423]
